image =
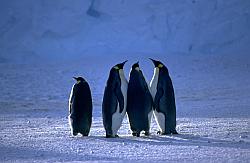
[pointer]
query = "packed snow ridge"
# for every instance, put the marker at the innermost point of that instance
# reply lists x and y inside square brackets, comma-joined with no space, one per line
[62,29]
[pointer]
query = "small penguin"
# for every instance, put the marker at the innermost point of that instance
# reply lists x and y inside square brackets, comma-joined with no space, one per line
[164,99]
[80,107]
[140,102]
[115,100]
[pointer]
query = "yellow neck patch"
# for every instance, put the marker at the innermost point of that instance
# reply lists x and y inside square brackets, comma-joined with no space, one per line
[78,81]
[117,68]
[160,65]
[137,69]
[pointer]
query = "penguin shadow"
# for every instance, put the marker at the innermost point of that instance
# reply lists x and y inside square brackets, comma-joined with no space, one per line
[178,140]
[197,141]
[93,137]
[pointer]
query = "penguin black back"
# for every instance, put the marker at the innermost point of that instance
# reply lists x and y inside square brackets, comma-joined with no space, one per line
[139,102]
[110,100]
[80,107]
[165,83]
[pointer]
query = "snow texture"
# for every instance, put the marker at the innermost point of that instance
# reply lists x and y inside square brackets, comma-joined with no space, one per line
[204,44]
[212,114]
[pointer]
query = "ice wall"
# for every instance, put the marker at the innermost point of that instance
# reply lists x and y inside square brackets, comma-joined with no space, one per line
[60,29]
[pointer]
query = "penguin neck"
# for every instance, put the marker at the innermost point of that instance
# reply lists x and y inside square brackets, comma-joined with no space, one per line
[122,76]
[124,88]
[154,82]
[130,74]
[155,76]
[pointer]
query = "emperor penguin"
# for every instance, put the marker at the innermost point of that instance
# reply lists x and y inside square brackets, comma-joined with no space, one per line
[80,107]
[164,99]
[140,102]
[115,100]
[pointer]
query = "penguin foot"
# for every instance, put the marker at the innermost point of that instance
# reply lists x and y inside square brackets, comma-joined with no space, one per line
[136,134]
[174,132]
[110,136]
[163,133]
[74,133]
[168,133]
[84,134]
[146,133]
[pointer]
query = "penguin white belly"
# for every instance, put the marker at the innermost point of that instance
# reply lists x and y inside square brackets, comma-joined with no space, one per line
[154,82]
[150,117]
[70,97]
[70,124]
[116,121]
[160,117]
[117,117]
[160,120]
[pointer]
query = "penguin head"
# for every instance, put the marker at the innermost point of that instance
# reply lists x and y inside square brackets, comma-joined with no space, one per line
[79,79]
[136,66]
[119,65]
[115,73]
[157,64]
[160,66]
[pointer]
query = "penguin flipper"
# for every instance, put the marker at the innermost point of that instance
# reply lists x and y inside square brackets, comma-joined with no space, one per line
[158,96]
[70,108]
[119,96]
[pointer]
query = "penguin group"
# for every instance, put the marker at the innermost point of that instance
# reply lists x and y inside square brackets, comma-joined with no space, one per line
[133,97]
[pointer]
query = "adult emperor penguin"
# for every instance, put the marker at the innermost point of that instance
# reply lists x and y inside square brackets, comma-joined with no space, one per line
[139,107]
[164,99]
[115,100]
[80,107]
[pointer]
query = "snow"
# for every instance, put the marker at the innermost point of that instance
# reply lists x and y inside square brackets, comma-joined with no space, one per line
[212,117]
[46,139]
[205,45]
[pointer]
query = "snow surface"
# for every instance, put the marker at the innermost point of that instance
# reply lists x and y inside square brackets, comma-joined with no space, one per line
[212,97]
[205,45]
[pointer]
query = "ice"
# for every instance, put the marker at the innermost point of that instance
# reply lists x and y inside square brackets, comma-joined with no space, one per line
[60,30]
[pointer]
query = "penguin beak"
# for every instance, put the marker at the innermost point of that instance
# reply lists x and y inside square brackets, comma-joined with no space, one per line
[123,63]
[154,62]
[137,64]
[120,65]
[75,78]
